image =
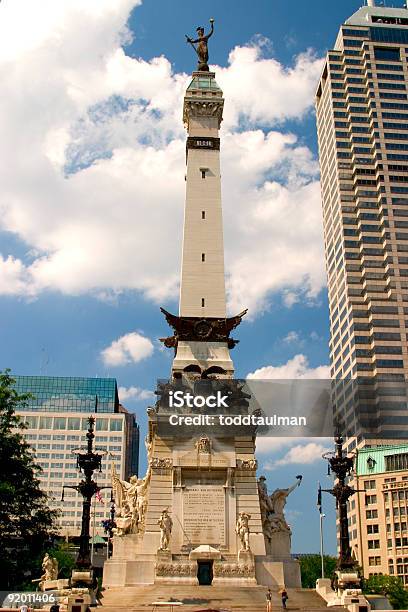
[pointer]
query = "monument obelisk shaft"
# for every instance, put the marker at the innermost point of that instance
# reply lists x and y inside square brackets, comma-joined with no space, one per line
[202,292]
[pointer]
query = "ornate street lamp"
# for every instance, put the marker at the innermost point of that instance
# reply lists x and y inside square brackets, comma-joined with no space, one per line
[88,461]
[341,466]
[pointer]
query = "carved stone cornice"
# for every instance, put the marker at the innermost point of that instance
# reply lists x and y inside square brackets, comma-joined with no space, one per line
[204,107]
[201,329]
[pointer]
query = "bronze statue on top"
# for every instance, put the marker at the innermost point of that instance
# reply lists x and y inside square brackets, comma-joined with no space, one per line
[202,47]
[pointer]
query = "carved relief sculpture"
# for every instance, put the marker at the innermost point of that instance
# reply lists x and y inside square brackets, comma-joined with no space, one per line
[247,464]
[203,445]
[161,462]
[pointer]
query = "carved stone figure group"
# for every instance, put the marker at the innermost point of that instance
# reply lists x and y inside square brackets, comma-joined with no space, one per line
[50,569]
[272,508]
[131,502]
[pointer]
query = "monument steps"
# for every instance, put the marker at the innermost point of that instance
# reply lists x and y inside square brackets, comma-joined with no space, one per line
[197,598]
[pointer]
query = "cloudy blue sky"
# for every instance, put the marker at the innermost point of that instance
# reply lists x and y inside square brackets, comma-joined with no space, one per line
[92,194]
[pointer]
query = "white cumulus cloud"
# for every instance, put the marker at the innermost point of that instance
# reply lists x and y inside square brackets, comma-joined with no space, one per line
[262,90]
[291,337]
[295,368]
[300,454]
[132,347]
[134,393]
[95,187]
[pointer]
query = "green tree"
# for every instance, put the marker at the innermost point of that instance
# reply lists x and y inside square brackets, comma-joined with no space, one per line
[311,569]
[391,586]
[26,522]
[65,555]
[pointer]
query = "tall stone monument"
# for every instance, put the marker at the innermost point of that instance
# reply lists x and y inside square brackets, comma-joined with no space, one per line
[199,516]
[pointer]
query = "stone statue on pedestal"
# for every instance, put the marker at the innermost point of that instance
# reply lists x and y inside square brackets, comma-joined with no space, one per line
[202,46]
[50,568]
[242,530]
[166,525]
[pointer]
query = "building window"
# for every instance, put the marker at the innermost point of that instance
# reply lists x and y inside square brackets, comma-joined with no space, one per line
[60,423]
[396,462]
[371,514]
[203,214]
[202,302]
[45,422]
[374,560]
[74,423]
[370,499]
[101,424]
[372,544]
[203,257]
[116,425]
[31,421]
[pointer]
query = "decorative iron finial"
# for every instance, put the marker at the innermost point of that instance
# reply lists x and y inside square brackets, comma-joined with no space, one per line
[202,46]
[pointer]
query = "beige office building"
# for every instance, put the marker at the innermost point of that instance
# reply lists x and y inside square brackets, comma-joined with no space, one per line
[57,422]
[362,121]
[378,516]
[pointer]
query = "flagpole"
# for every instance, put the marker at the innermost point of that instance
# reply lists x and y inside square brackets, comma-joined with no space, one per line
[321,517]
[321,542]
[93,530]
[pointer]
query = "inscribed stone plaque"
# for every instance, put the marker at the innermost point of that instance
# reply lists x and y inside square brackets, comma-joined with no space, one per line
[204,514]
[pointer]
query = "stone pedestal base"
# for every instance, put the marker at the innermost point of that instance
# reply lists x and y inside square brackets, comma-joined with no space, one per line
[235,574]
[245,557]
[168,571]
[163,556]
[352,600]
[82,578]
[278,547]
[54,585]
[81,602]
[127,572]
[271,573]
